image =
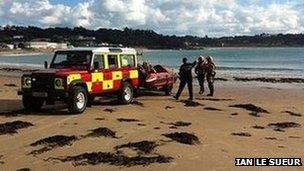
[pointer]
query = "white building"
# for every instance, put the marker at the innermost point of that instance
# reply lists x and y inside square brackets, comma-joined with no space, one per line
[47,45]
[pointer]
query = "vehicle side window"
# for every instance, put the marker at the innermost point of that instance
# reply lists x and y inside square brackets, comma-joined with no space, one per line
[112,60]
[127,60]
[100,60]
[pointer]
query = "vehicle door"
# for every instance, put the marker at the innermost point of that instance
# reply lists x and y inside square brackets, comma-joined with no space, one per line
[97,75]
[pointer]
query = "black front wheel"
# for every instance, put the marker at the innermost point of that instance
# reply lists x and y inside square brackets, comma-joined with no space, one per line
[31,103]
[126,93]
[78,100]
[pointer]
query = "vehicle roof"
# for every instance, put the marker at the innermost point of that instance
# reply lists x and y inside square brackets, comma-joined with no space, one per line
[102,49]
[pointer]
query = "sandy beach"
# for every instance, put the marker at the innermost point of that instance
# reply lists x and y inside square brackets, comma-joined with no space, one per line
[242,120]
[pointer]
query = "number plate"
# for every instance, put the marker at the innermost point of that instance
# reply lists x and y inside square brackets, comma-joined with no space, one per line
[40,94]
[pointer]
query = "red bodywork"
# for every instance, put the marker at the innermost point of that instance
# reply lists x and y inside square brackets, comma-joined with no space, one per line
[158,79]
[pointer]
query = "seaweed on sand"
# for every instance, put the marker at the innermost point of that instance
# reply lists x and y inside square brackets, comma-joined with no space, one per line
[52,142]
[101,131]
[250,107]
[12,127]
[141,146]
[183,137]
[115,159]
[242,134]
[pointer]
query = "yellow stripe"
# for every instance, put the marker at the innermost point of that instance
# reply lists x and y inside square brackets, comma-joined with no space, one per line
[133,74]
[97,77]
[117,75]
[89,85]
[73,77]
[107,84]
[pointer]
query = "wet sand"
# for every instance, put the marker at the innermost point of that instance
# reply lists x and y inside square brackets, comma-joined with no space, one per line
[157,132]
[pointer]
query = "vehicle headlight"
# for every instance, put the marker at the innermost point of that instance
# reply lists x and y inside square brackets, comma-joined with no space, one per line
[58,83]
[26,82]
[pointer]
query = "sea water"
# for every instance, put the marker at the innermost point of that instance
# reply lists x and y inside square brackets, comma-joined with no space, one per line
[238,62]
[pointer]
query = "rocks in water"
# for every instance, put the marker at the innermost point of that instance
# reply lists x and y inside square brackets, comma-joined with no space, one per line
[115,159]
[141,146]
[212,109]
[242,134]
[12,127]
[52,142]
[101,131]
[183,137]
[250,107]
[127,120]
[293,113]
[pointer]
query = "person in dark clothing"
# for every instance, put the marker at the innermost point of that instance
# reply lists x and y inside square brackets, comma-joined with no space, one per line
[210,74]
[200,71]
[185,74]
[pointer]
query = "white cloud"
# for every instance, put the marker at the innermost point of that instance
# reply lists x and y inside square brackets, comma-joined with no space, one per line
[195,17]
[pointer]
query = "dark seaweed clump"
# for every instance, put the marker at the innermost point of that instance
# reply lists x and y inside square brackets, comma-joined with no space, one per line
[10,85]
[12,127]
[1,162]
[284,125]
[250,107]
[242,134]
[180,123]
[95,158]
[190,103]
[183,137]
[102,131]
[24,169]
[52,142]
[293,113]
[141,146]
[127,120]
[258,127]
[212,109]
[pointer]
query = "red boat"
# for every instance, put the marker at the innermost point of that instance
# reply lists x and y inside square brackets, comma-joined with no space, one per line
[159,78]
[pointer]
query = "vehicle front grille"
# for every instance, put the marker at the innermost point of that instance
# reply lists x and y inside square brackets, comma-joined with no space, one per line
[42,83]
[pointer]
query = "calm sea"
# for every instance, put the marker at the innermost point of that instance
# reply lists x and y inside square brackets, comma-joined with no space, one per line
[268,62]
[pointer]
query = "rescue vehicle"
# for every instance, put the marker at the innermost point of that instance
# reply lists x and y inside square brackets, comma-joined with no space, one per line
[75,76]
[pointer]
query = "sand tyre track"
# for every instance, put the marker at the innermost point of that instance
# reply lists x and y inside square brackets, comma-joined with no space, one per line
[126,93]
[31,103]
[78,100]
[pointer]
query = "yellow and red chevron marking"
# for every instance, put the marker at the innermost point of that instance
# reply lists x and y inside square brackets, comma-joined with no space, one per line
[107,80]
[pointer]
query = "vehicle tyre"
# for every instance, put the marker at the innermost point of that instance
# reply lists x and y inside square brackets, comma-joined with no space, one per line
[78,100]
[31,103]
[126,93]
[168,90]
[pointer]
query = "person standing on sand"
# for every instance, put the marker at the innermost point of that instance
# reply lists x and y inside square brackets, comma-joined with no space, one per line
[200,71]
[185,74]
[210,74]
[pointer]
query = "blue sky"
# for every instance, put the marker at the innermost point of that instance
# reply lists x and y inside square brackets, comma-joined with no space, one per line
[180,17]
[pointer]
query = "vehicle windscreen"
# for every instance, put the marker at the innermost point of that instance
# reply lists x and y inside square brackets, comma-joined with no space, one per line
[72,59]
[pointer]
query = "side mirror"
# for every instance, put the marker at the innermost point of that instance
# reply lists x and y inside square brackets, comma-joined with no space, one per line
[45,64]
[96,65]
